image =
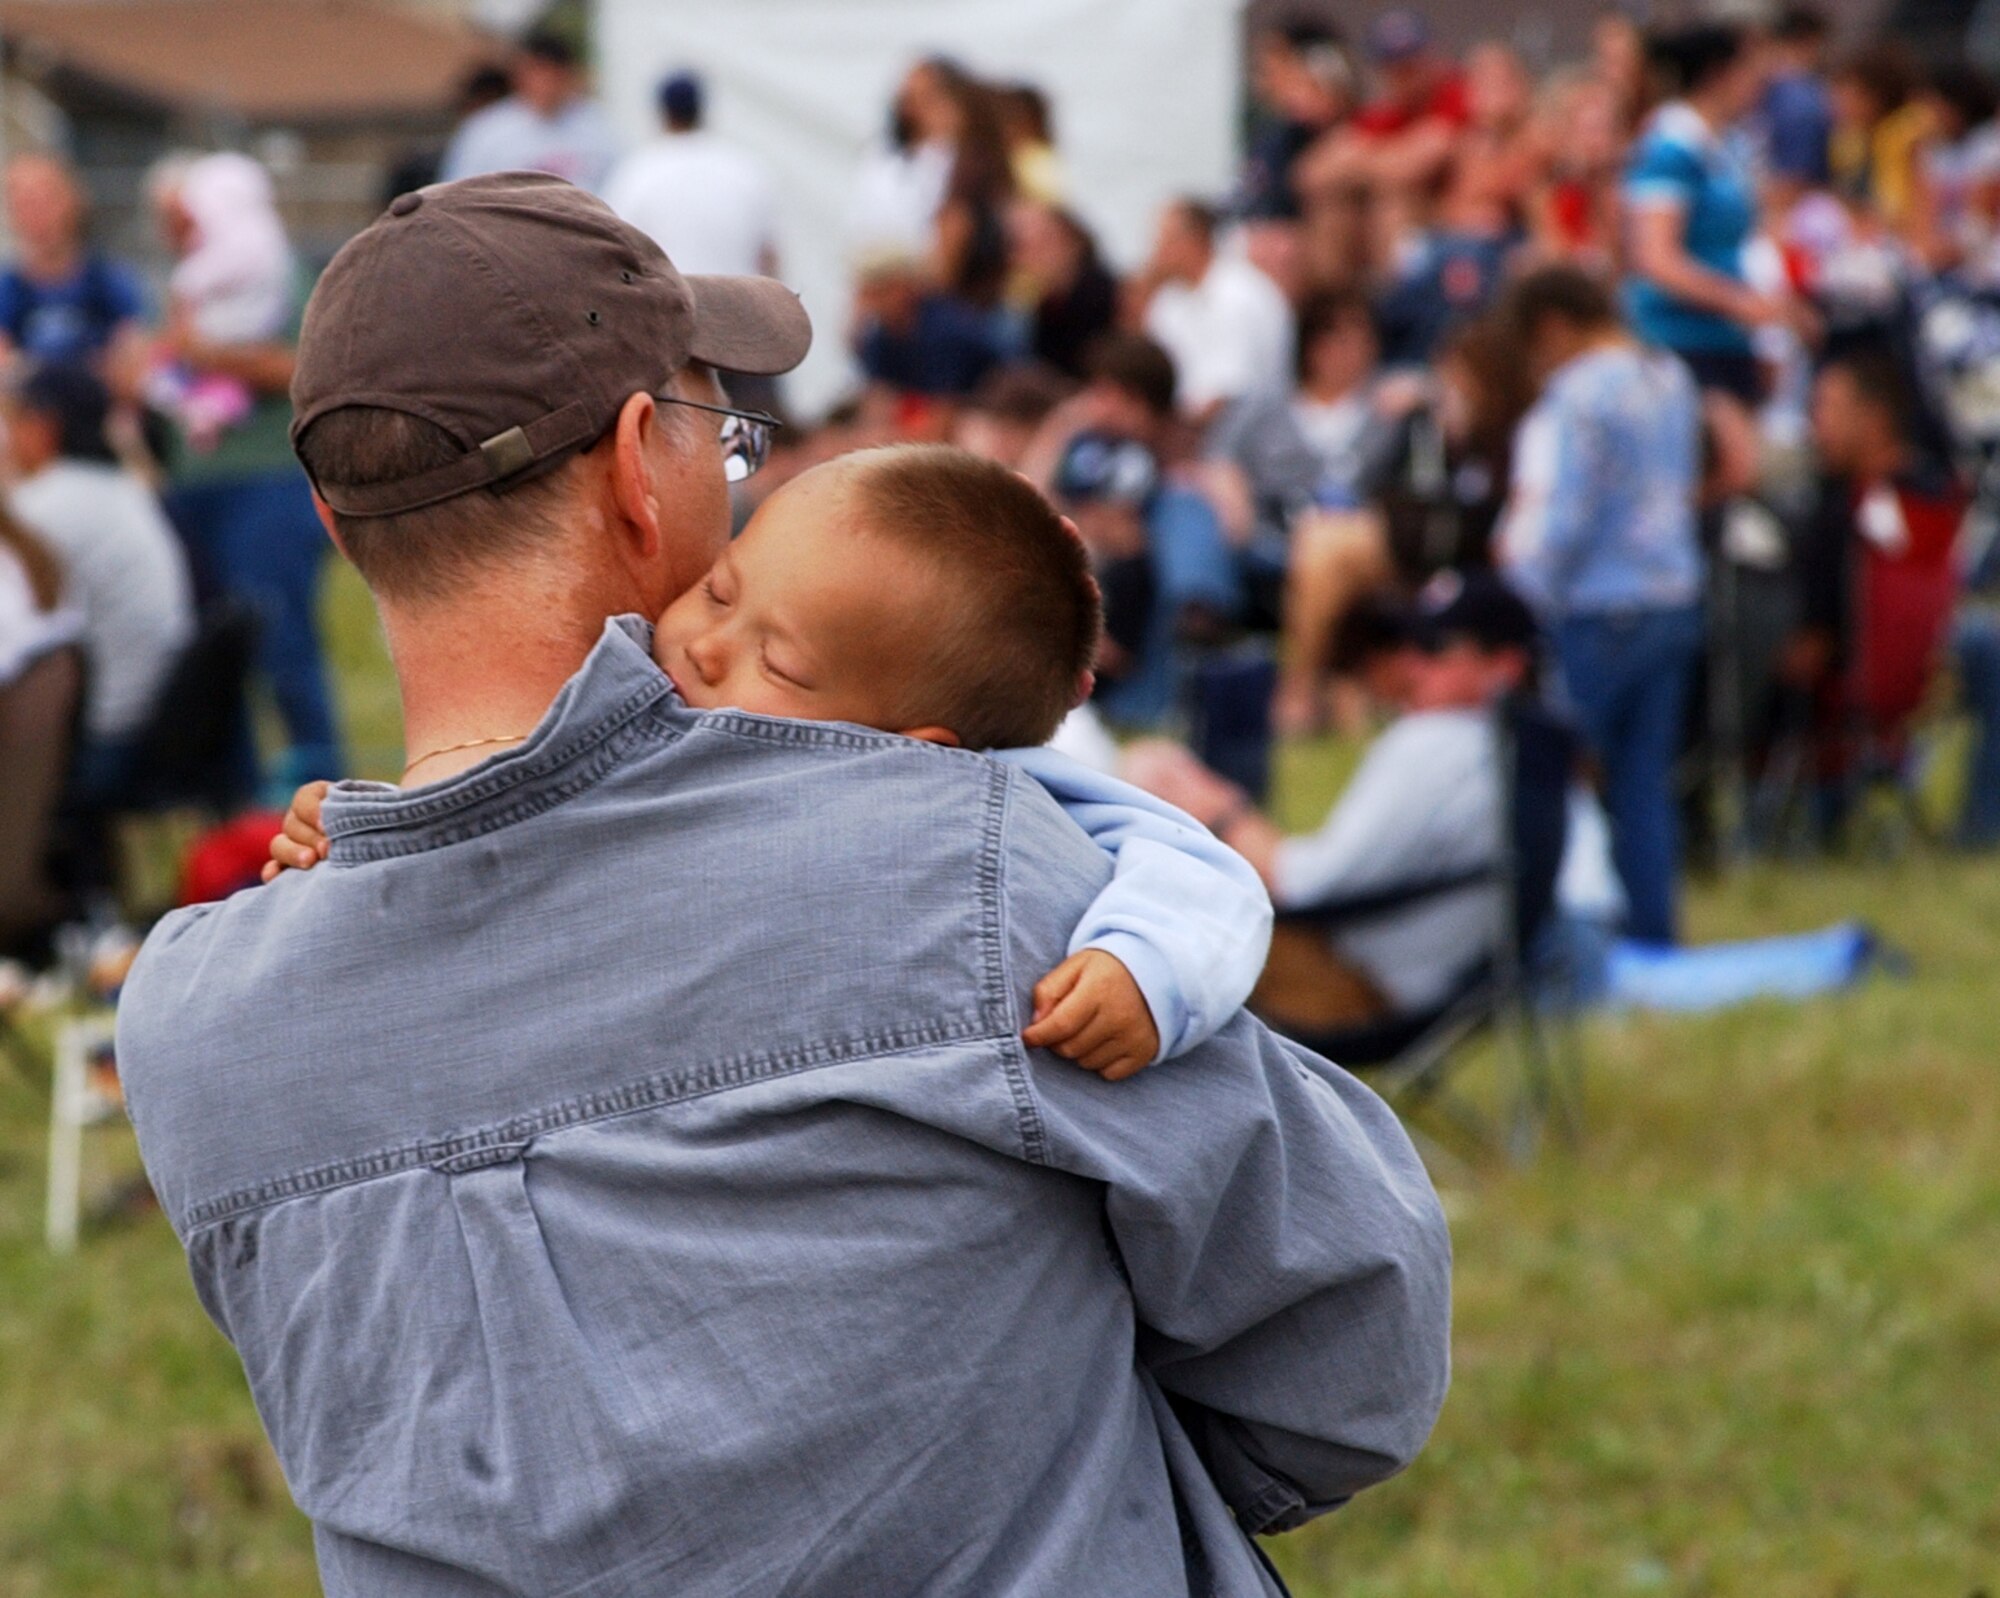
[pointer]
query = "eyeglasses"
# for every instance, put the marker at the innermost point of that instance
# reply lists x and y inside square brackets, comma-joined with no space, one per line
[745,437]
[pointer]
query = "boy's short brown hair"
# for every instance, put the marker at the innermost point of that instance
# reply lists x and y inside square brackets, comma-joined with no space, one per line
[1012,656]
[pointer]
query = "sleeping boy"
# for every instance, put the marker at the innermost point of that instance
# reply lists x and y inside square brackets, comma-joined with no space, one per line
[922,591]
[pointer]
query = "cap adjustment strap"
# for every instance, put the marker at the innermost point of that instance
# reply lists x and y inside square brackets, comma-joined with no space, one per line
[500,457]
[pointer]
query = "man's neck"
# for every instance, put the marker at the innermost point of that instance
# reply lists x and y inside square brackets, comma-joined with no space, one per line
[482,673]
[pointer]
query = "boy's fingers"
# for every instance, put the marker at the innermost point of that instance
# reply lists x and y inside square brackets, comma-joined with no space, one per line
[301,830]
[306,801]
[1057,985]
[1061,1025]
[1111,1052]
[270,871]
[1131,1065]
[1102,1033]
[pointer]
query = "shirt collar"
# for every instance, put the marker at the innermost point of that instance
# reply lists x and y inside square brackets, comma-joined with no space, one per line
[617,683]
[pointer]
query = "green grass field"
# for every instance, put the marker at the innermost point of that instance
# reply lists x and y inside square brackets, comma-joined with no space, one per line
[1744,1339]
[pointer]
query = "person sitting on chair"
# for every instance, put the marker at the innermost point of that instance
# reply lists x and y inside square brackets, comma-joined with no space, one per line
[1877,585]
[1425,803]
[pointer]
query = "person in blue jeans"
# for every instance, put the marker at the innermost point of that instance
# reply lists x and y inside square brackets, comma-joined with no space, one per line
[1599,536]
[245,511]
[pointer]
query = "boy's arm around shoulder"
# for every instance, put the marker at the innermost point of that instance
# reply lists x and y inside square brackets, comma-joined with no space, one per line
[1288,1261]
[1184,913]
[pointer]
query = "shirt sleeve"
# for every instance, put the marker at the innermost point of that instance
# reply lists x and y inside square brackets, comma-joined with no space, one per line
[1550,507]
[11,306]
[123,296]
[1183,912]
[1289,1265]
[1386,831]
[1663,173]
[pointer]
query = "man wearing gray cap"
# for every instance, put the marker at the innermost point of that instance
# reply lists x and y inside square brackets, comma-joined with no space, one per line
[617,1165]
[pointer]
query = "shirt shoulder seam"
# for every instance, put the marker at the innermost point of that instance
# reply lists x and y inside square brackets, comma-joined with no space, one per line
[1000,974]
[510,1138]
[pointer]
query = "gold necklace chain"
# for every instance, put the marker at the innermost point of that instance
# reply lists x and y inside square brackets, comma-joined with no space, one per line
[470,743]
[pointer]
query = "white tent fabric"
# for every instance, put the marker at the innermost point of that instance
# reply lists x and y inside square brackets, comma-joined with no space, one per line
[1144,93]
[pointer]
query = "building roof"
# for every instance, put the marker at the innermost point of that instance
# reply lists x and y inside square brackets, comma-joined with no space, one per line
[264,60]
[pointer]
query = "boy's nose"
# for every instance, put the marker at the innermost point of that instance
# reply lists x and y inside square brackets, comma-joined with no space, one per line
[709,656]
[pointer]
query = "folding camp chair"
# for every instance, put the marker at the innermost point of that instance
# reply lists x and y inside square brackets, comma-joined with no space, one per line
[1860,734]
[1512,989]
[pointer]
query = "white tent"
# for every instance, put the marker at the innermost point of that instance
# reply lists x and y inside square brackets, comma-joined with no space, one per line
[1144,91]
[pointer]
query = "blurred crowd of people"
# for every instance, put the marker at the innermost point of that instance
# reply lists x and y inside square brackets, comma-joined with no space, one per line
[1691,346]
[1688,345]
[151,493]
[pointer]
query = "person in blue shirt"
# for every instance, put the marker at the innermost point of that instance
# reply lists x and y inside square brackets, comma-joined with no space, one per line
[914,339]
[1172,579]
[1599,536]
[548,123]
[1795,119]
[61,302]
[1693,208]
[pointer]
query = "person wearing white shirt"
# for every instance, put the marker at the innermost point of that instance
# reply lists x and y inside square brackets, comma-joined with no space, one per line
[1228,327]
[548,124]
[707,203]
[127,575]
[1425,804]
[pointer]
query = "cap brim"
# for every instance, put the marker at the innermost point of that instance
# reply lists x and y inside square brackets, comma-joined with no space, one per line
[753,325]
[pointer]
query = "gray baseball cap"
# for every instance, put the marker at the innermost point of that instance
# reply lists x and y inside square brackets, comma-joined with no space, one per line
[518,313]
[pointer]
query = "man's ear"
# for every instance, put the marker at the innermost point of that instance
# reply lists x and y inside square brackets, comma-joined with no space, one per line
[324,512]
[635,488]
[932,735]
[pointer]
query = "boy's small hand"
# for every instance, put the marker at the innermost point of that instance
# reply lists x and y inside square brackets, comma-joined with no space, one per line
[1091,1011]
[302,845]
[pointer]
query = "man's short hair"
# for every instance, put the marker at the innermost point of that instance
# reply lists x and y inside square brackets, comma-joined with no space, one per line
[425,554]
[680,97]
[1327,311]
[1009,664]
[545,44]
[1023,392]
[1561,290]
[1800,24]
[1139,365]
[1694,56]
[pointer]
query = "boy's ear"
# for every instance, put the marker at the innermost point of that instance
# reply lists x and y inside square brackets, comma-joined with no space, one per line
[932,735]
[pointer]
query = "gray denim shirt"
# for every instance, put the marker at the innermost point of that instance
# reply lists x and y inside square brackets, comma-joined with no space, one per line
[620,1174]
